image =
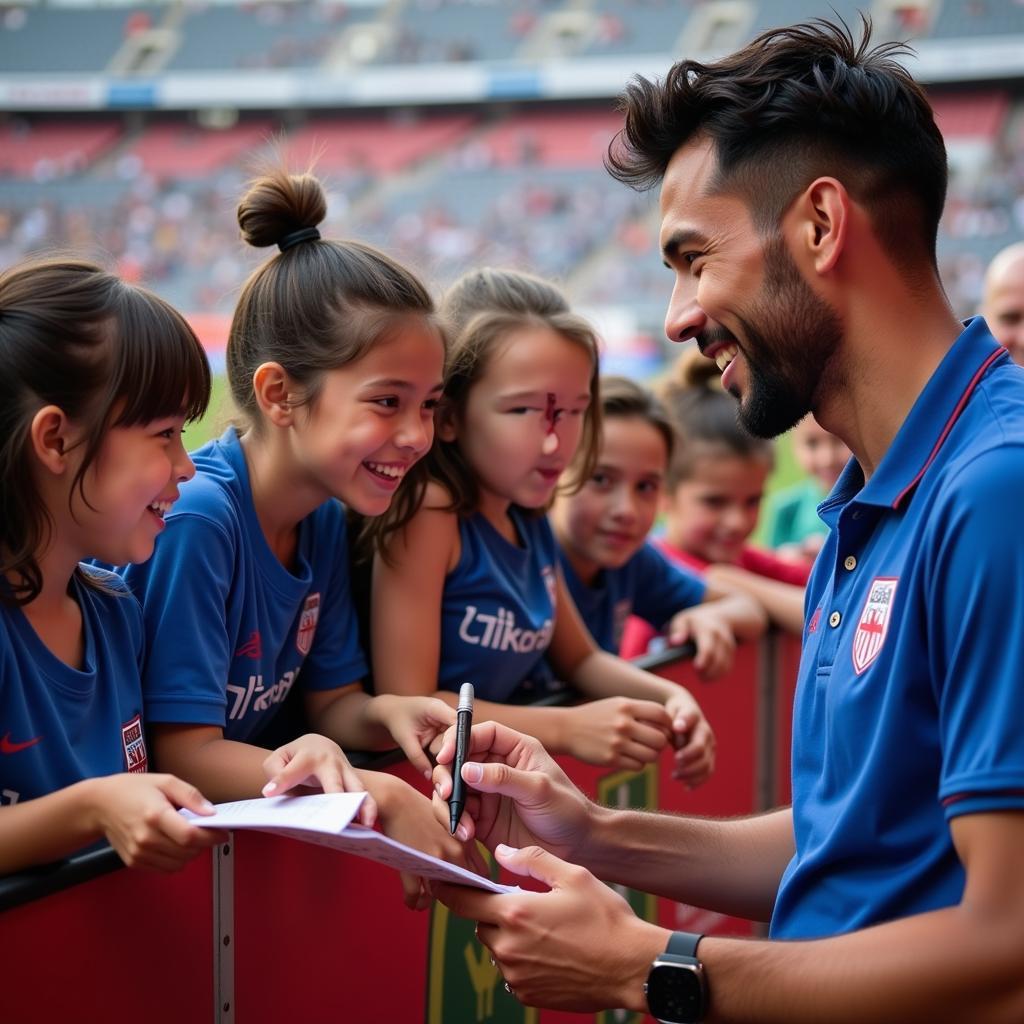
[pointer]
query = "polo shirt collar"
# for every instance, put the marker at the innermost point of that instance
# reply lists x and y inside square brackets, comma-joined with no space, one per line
[926,427]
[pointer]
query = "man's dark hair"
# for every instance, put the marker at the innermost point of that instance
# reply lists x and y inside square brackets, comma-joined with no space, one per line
[794,104]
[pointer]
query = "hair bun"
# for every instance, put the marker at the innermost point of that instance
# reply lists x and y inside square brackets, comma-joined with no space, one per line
[691,372]
[277,204]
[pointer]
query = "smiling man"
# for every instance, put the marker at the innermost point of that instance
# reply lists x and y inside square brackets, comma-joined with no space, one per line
[802,180]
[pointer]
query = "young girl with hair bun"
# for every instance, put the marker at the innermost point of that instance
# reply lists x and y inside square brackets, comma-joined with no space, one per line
[471,567]
[335,360]
[99,379]
[713,496]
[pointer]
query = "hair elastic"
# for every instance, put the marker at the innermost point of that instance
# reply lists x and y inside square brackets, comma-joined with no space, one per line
[295,237]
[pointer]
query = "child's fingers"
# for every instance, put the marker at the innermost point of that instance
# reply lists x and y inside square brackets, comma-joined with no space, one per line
[416,755]
[183,794]
[648,736]
[651,712]
[176,830]
[412,888]
[679,631]
[440,714]
[626,763]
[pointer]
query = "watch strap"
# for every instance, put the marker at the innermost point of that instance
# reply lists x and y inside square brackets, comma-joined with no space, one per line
[684,944]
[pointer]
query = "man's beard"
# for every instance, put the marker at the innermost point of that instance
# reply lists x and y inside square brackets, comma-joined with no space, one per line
[791,337]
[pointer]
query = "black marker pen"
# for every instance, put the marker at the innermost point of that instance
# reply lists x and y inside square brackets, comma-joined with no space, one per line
[463,725]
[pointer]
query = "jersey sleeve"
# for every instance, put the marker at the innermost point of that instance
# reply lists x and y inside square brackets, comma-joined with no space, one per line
[976,591]
[183,590]
[662,589]
[336,657]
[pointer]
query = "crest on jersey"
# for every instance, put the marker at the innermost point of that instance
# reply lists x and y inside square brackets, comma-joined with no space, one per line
[874,622]
[551,584]
[133,739]
[307,624]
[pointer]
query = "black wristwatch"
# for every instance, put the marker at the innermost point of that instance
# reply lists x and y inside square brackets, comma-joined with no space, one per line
[676,989]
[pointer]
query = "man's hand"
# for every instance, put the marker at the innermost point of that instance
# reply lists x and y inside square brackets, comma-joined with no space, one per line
[518,795]
[577,947]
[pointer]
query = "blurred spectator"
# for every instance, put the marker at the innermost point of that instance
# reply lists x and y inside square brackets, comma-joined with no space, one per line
[1003,301]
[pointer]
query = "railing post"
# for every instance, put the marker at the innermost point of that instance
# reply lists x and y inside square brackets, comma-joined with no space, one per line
[224,932]
[767,713]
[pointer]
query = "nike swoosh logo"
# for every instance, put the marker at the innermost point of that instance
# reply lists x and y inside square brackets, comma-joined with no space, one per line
[7,746]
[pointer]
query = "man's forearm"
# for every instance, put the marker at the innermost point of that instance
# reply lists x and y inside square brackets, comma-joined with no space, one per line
[731,866]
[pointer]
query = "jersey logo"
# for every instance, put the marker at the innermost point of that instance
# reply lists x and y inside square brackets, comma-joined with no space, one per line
[9,746]
[874,622]
[134,742]
[815,622]
[252,648]
[550,584]
[307,624]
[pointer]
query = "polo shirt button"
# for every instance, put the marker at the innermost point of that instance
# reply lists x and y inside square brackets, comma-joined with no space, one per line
[850,564]
[834,619]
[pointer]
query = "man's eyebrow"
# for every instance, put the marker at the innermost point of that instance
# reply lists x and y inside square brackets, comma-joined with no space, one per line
[681,238]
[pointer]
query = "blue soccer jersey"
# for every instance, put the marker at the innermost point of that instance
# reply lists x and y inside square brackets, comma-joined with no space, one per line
[910,702]
[60,725]
[648,585]
[228,627]
[498,606]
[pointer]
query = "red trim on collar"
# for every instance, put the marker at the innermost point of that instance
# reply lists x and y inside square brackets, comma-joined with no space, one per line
[954,416]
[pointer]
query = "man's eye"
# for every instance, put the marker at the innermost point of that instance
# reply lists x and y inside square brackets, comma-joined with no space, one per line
[391,402]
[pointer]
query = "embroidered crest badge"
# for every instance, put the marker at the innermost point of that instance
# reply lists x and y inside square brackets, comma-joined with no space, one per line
[307,624]
[550,583]
[874,622]
[133,740]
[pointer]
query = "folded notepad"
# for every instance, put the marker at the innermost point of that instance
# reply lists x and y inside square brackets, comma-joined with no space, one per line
[325,819]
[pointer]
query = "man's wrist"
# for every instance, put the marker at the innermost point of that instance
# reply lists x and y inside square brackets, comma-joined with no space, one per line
[645,946]
[601,841]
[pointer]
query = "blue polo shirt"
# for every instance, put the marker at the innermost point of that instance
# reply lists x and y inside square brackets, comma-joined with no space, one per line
[910,701]
[648,585]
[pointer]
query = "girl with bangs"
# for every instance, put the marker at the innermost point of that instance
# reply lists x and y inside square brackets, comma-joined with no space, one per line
[335,360]
[101,377]
[470,567]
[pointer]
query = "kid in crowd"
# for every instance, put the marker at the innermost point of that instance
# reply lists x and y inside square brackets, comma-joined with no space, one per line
[99,379]
[335,360]
[610,568]
[713,497]
[471,571]
[793,526]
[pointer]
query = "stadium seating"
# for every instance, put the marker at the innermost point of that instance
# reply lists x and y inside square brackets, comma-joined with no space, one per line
[489,182]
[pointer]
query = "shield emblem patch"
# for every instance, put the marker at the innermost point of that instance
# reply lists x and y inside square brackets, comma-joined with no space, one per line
[307,624]
[874,622]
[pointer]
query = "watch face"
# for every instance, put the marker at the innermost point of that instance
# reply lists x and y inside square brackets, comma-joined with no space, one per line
[675,993]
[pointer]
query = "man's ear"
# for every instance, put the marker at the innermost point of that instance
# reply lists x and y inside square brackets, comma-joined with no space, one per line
[50,437]
[274,393]
[818,224]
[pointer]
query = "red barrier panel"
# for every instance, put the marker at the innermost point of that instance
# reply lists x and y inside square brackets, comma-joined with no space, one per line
[315,936]
[131,945]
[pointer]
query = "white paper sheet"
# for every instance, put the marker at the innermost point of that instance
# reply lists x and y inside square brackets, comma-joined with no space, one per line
[324,819]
